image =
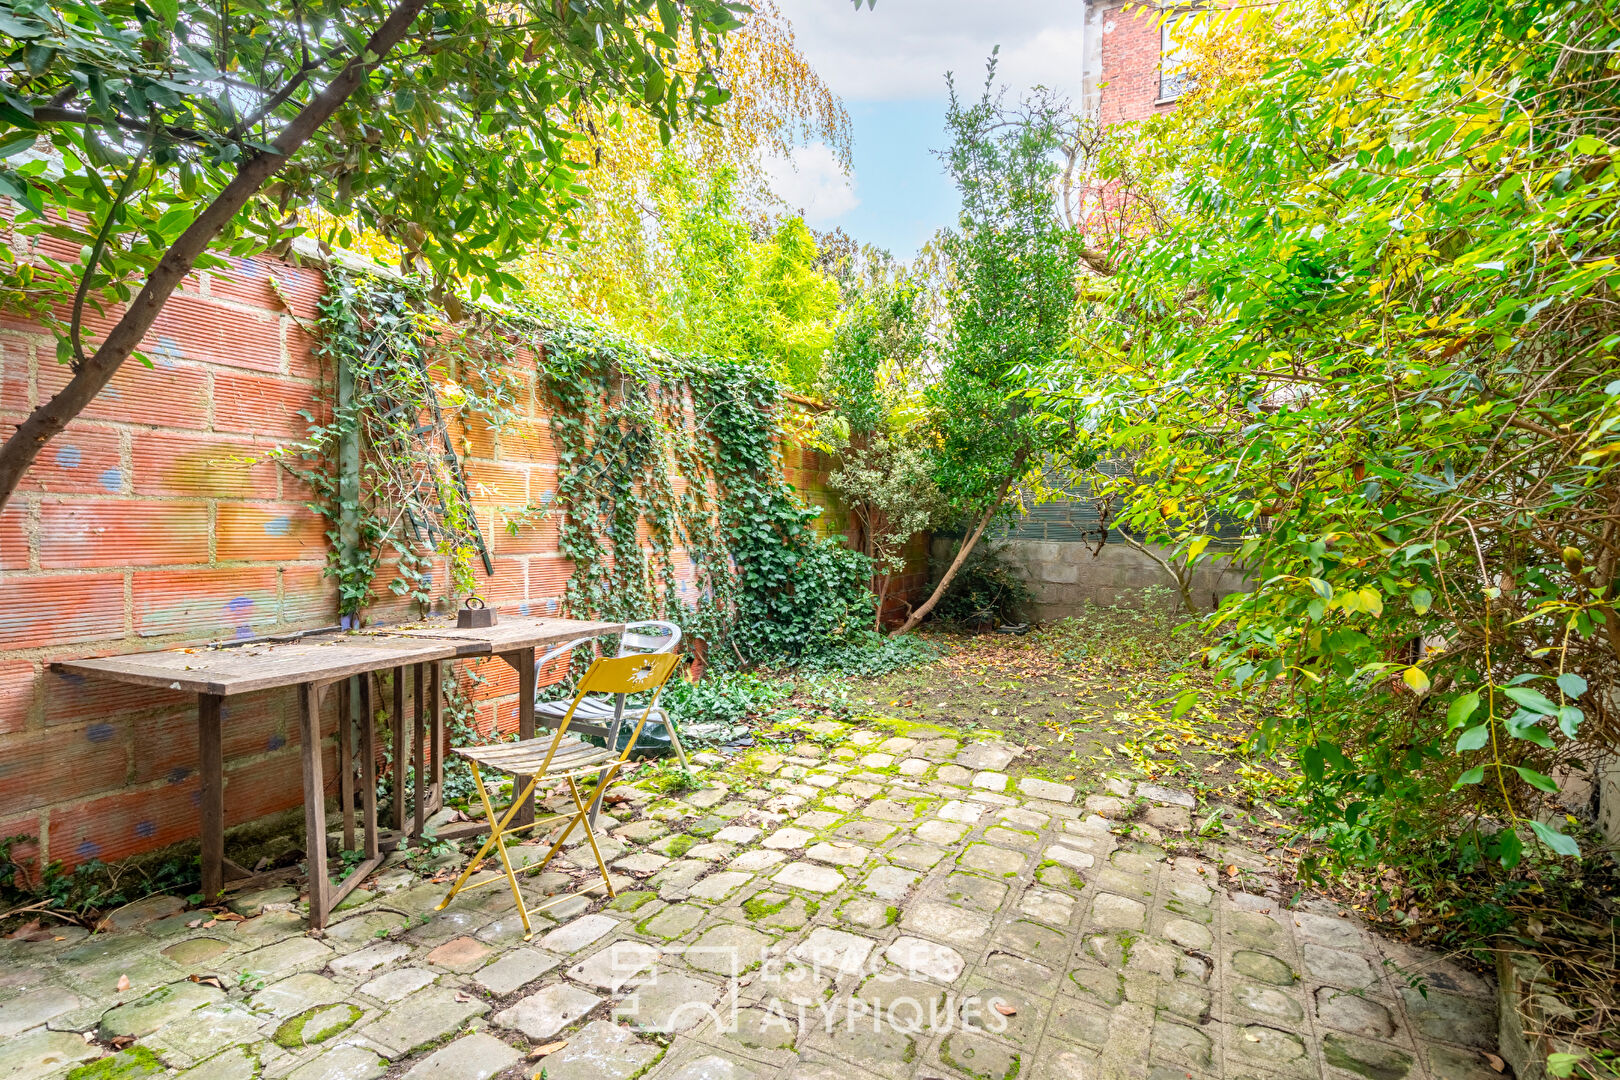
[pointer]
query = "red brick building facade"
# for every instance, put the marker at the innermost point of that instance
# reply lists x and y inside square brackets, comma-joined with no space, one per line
[1129,67]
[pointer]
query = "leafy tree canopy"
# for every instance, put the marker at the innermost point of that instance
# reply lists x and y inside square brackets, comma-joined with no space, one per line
[142,140]
[1366,315]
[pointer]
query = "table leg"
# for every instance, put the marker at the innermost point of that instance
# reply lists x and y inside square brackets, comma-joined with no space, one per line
[523,661]
[309,732]
[441,744]
[402,757]
[368,768]
[346,709]
[211,769]
[419,752]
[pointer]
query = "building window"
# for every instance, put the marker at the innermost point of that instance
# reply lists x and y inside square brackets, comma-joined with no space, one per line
[1175,34]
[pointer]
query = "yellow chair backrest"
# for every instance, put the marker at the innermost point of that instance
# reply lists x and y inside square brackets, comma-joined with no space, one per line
[628,674]
[633,674]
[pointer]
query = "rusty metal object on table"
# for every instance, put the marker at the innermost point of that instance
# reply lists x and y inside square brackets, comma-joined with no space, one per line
[474,618]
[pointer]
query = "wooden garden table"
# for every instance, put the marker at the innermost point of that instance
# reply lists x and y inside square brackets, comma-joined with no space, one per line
[314,663]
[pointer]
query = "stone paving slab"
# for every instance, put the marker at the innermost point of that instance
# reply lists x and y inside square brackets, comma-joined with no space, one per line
[876,906]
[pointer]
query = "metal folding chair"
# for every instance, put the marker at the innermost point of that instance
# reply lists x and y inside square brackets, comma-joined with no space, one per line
[593,715]
[552,759]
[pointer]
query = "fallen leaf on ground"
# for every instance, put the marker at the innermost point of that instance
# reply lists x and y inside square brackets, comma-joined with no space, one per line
[1496,1063]
[25,929]
[462,995]
[123,983]
[193,924]
[118,1042]
[1005,1009]
[210,924]
[1231,870]
[548,1048]
[208,980]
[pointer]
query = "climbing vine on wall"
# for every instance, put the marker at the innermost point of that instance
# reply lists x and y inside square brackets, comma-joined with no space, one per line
[670,497]
[374,453]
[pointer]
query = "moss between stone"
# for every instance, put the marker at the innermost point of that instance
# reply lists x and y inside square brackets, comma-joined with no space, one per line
[891,915]
[136,1061]
[757,909]
[632,901]
[680,845]
[291,1034]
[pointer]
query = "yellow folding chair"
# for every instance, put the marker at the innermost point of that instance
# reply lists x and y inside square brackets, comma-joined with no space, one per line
[552,759]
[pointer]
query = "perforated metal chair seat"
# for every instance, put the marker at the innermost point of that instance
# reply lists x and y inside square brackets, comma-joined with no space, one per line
[527,757]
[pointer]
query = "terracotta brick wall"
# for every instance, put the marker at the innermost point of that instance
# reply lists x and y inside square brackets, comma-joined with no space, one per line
[154,520]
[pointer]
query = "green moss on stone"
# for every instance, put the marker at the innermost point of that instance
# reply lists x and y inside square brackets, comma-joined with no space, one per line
[757,908]
[293,1032]
[632,901]
[136,1061]
[680,845]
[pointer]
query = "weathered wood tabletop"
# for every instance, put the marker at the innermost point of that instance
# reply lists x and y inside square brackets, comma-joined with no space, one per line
[226,669]
[511,633]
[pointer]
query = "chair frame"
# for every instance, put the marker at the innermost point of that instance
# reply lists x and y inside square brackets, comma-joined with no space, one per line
[626,637]
[620,675]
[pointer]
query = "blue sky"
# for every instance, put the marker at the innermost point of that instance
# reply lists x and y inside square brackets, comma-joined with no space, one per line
[888,64]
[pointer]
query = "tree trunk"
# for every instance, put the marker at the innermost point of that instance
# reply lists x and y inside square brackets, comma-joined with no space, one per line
[1183,579]
[962,553]
[90,378]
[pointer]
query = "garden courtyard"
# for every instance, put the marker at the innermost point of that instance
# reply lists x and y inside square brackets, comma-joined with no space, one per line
[854,895]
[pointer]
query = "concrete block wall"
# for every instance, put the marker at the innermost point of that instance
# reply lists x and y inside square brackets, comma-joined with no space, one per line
[1064,576]
[157,520]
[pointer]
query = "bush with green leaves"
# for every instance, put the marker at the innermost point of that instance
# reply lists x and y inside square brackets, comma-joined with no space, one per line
[1372,320]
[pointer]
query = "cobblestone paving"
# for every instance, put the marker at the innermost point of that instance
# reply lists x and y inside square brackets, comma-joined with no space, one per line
[868,907]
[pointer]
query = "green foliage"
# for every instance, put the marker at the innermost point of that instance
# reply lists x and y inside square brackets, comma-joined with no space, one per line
[1013,265]
[987,591]
[723,285]
[454,145]
[1375,329]
[797,593]
[92,886]
[887,483]
[876,355]
[724,697]
[378,338]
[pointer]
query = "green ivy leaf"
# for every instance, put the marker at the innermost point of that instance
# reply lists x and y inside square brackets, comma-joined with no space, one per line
[1571,684]
[1536,780]
[1556,841]
[1461,709]
[1532,700]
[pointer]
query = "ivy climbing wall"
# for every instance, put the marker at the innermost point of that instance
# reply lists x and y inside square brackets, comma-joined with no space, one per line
[157,520]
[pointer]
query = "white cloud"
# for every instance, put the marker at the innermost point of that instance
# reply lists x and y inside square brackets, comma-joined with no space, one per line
[813,181]
[902,49]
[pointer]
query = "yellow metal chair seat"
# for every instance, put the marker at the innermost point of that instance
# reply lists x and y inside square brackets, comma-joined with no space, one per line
[530,756]
[534,760]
